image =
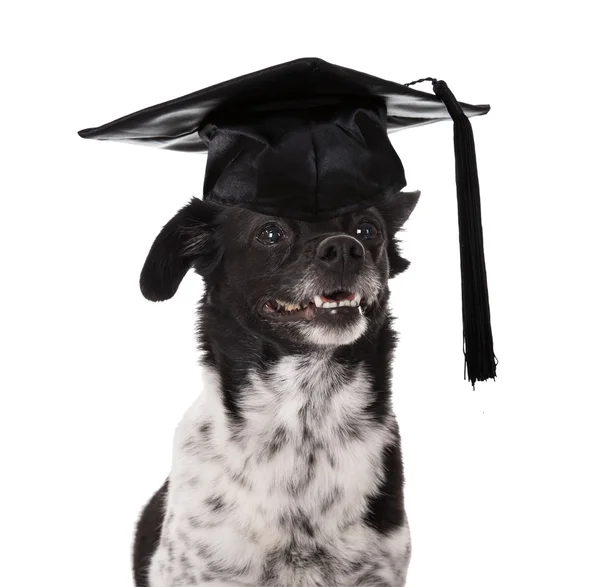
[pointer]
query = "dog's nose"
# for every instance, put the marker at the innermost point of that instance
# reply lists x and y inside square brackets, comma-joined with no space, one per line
[341,253]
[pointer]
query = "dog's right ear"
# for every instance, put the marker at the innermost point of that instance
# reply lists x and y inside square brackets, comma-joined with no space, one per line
[189,238]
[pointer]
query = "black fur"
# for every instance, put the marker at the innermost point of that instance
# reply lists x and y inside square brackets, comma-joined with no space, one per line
[147,535]
[385,511]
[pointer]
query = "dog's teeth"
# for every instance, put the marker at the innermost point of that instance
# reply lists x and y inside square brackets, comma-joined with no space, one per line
[286,306]
[320,303]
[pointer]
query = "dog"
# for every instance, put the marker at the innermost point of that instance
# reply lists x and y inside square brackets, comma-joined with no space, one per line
[287,470]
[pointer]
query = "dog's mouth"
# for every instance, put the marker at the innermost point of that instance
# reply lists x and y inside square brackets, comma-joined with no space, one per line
[331,303]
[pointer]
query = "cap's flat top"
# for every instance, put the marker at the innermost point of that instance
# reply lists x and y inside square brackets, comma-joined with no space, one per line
[303,83]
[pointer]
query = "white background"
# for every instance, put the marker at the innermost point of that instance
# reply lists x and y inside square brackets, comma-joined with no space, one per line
[502,482]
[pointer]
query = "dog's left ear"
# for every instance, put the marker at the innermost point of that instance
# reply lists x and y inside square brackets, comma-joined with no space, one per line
[396,210]
[188,239]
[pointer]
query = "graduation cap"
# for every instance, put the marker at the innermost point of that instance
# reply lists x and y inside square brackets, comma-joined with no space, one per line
[308,140]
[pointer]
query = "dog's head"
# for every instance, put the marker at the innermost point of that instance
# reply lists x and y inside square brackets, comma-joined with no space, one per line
[315,283]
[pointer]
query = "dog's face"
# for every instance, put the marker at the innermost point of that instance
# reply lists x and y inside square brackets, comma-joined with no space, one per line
[315,283]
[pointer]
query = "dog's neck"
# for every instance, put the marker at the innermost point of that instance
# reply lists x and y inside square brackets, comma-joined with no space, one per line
[242,358]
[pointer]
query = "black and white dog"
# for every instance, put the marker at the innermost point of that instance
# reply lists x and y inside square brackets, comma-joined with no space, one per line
[287,470]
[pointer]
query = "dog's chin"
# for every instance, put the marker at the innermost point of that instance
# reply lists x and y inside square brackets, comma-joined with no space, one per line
[334,330]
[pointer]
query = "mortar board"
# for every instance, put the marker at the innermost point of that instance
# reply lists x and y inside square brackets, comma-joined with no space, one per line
[308,140]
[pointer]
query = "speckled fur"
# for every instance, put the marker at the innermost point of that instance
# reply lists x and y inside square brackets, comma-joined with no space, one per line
[282,501]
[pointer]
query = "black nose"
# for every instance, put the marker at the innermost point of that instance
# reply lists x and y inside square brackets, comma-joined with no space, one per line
[341,253]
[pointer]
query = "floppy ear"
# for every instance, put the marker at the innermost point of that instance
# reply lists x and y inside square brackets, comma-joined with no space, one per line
[187,239]
[396,210]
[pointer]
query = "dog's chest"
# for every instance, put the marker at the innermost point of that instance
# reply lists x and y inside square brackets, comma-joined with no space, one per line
[280,499]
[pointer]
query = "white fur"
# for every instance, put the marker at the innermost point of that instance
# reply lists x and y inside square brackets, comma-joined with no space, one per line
[323,335]
[247,527]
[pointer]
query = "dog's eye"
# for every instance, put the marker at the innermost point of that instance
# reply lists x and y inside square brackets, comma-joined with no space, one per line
[366,231]
[271,234]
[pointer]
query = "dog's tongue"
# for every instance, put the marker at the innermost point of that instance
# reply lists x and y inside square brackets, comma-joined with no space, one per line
[340,296]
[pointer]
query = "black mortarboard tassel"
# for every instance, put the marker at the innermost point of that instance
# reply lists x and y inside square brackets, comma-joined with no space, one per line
[478,342]
[308,140]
